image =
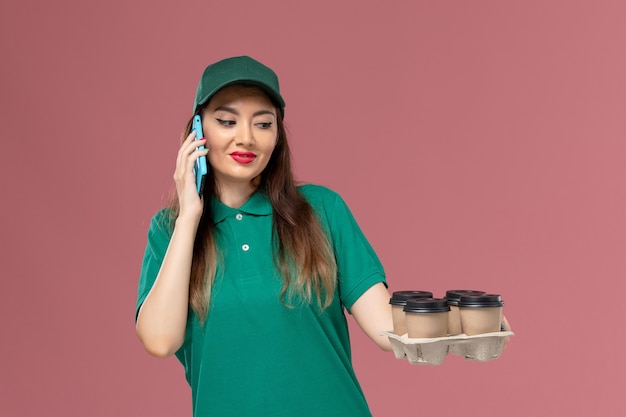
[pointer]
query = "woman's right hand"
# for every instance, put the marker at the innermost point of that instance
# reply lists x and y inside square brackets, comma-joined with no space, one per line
[189,201]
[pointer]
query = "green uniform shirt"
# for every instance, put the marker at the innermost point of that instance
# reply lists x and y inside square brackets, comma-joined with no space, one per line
[254,356]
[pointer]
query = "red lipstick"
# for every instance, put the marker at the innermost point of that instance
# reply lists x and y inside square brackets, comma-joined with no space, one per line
[243,157]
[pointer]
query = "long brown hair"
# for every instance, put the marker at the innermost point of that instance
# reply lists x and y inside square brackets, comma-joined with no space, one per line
[304,255]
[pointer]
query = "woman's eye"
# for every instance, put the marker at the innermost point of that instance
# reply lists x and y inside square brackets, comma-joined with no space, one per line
[264,125]
[225,122]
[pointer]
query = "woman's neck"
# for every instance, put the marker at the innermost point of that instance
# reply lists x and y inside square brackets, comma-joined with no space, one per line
[235,195]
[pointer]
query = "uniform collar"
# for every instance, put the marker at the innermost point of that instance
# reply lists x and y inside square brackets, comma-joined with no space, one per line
[258,204]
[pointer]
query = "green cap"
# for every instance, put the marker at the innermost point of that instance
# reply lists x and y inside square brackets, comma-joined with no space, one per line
[238,70]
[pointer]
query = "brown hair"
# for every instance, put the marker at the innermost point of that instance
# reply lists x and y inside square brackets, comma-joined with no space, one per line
[304,255]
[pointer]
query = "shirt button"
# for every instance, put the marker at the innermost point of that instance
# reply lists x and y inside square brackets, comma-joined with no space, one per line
[239,216]
[245,248]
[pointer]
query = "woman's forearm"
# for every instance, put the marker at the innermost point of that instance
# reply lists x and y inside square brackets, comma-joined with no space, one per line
[163,316]
[372,312]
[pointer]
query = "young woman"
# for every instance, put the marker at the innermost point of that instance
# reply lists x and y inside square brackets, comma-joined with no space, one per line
[247,284]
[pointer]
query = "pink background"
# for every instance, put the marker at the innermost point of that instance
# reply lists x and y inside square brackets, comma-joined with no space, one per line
[479,144]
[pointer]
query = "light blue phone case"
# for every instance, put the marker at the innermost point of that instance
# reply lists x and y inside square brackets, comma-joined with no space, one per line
[200,167]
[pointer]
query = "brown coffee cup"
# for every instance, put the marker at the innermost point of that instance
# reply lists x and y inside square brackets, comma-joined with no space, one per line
[398,301]
[454,318]
[427,317]
[480,313]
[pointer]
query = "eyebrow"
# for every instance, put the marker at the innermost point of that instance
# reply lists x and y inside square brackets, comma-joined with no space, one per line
[236,113]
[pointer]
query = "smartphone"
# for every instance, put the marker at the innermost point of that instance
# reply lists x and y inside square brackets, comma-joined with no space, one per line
[201,166]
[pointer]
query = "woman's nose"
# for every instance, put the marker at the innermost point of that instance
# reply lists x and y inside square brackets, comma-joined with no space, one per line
[245,136]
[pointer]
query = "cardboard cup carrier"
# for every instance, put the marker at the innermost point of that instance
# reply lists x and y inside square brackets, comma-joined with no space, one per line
[428,339]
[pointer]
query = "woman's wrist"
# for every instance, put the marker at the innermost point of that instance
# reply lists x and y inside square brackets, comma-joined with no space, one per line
[187,221]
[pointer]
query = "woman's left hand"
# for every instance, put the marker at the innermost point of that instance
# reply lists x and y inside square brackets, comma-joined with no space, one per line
[506,327]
